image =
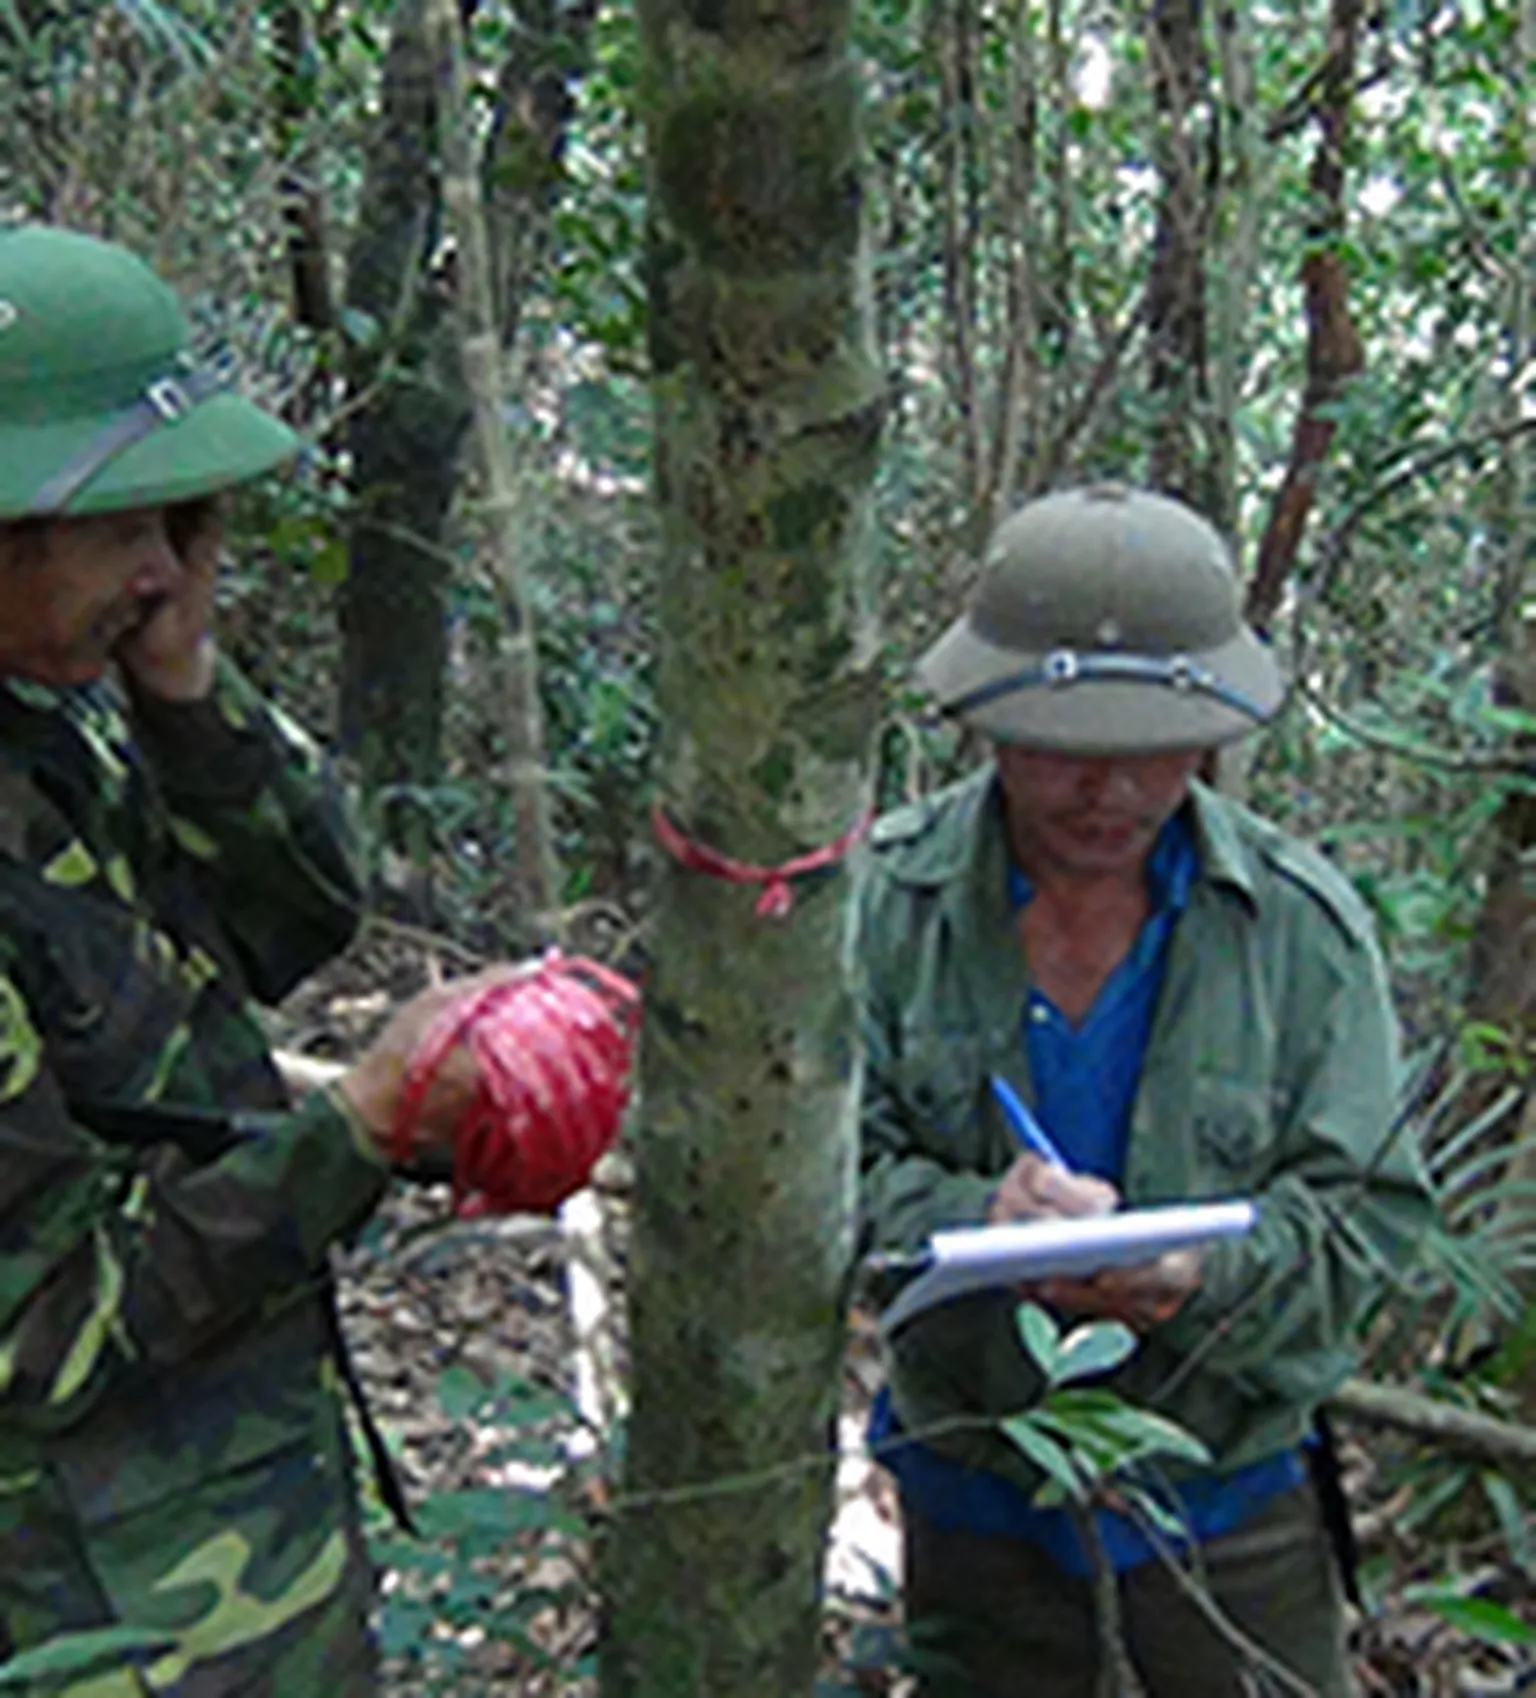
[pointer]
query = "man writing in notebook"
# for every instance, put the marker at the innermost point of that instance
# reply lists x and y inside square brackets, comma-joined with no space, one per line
[1192,1005]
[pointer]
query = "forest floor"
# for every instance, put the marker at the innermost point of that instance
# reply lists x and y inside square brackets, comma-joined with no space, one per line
[489,1351]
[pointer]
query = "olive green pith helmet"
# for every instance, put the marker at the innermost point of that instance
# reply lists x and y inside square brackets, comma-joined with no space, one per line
[102,406]
[1107,621]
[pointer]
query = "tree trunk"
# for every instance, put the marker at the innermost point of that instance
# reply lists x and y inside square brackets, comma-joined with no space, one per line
[415,404]
[404,440]
[768,408]
[1176,337]
[1503,982]
[1235,262]
[1334,351]
[534,104]
[538,870]
[293,110]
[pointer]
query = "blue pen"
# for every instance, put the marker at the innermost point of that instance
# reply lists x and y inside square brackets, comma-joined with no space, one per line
[1030,1133]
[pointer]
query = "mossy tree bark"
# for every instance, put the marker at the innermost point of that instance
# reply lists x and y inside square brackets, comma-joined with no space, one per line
[410,418]
[413,400]
[768,409]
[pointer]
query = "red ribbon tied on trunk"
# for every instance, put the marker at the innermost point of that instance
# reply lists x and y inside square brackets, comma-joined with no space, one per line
[778,895]
[554,1049]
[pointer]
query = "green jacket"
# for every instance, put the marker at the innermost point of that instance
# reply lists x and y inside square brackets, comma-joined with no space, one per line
[1270,1073]
[173,1455]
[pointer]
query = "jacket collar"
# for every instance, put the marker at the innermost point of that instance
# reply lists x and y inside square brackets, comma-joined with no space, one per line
[958,836]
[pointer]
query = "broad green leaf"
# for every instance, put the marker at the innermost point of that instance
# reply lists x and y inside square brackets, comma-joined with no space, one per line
[1099,1347]
[1039,1334]
[1137,1432]
[1513,1521]
[1480,1618]
[462,1393]
[1051,1458]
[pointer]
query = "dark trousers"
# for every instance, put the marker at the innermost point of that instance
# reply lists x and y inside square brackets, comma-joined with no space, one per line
[996,1617]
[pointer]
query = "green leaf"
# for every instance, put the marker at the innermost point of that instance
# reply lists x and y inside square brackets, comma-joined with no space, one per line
[328,566]
[405,1624]
[159,25]
[1039,1334]
[1166,1520]
[1052,1459]
[495,1512]
[1513,1522]
[72,1657]
[360,328]
[1099,1347]
[1479,1618]
[462,1392]
[1103,1417]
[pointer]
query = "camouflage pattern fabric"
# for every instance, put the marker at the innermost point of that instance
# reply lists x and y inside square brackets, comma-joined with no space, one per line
[174,1461]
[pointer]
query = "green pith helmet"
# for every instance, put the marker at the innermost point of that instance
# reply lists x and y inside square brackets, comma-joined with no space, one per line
[101,405]
[1106,621]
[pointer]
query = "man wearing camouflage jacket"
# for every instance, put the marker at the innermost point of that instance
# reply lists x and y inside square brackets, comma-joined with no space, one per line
[1195,1005]
[174,1462]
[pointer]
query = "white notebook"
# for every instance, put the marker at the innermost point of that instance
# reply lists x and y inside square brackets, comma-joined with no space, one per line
[977,1257]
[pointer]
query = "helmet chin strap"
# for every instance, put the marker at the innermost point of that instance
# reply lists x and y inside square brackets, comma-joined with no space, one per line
[162,402]
[1063,669]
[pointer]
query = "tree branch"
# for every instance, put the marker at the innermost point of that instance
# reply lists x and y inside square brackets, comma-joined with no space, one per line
[1459,1432]
[1334,350]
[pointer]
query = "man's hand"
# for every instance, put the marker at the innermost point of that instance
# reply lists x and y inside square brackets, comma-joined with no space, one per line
[372,1086]
[1033,1189]
[1143,1297]
[172,654]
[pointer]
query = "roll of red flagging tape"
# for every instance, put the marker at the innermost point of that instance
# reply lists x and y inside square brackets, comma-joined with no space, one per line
[554,1048]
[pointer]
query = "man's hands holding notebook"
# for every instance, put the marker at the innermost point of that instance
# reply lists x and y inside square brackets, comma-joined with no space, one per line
[1142,1297]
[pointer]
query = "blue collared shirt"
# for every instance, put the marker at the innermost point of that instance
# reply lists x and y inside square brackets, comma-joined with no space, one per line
[1085,1080]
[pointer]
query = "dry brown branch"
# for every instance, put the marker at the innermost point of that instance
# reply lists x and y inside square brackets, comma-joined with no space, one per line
[1459,1432]
[1334,350]
[1177,378]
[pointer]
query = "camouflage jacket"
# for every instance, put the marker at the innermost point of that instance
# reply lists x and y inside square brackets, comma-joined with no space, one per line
[1270,1072]
[173,1458]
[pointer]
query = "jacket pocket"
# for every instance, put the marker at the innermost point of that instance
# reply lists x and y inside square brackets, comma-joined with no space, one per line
[940,1077]
[1232,1125]
[106,990]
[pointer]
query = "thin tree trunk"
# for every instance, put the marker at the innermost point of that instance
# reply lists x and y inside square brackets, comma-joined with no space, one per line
[1503,961]
[1056,309]
[1176,377]
[538,871]
[303,203]
[404,443]
[1017,410]
[405,439]
[534,104]
[962,235]
[1334,351]
[1233,267]
[768,407]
